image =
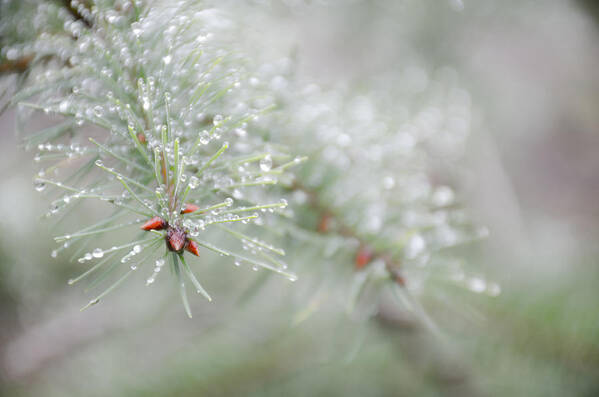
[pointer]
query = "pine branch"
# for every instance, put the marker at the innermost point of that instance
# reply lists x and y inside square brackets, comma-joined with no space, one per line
[150,156]
[194,140]
[365,254]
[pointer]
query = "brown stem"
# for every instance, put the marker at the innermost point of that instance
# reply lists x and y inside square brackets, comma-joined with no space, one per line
[75,13]
[17,65]
[21,64]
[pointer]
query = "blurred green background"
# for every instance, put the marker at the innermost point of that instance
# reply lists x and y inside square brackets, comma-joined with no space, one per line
[532,71]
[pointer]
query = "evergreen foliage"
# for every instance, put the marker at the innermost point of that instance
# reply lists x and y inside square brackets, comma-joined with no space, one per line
[156,112]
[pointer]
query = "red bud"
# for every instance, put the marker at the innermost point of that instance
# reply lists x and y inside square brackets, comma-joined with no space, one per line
[141,138]
[363,257]
[155,223]
[192,247]
[400,280]
[175,239]
[189,208]
[324,224]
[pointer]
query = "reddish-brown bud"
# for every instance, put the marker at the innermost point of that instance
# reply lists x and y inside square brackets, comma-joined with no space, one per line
[325,223]
[192,247]
[155,223]
[175,239]
[363,257]
[141,138]
[189,208]
[400,280]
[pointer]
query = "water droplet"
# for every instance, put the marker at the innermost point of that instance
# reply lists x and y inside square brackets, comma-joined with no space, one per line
[39,185]
[137,249]
[136,29]
[217,119]
[194,182]
[443,196]
[343,140]
[167,59]
[237,194]
[229,201]
[477,285]
[388,182]
[99,163]
[54,254]
[266,163]
[97,253]
[494,289]
[416,246]
[12,54]
[64,106]
[98,110]
[204,137]
[482,232]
